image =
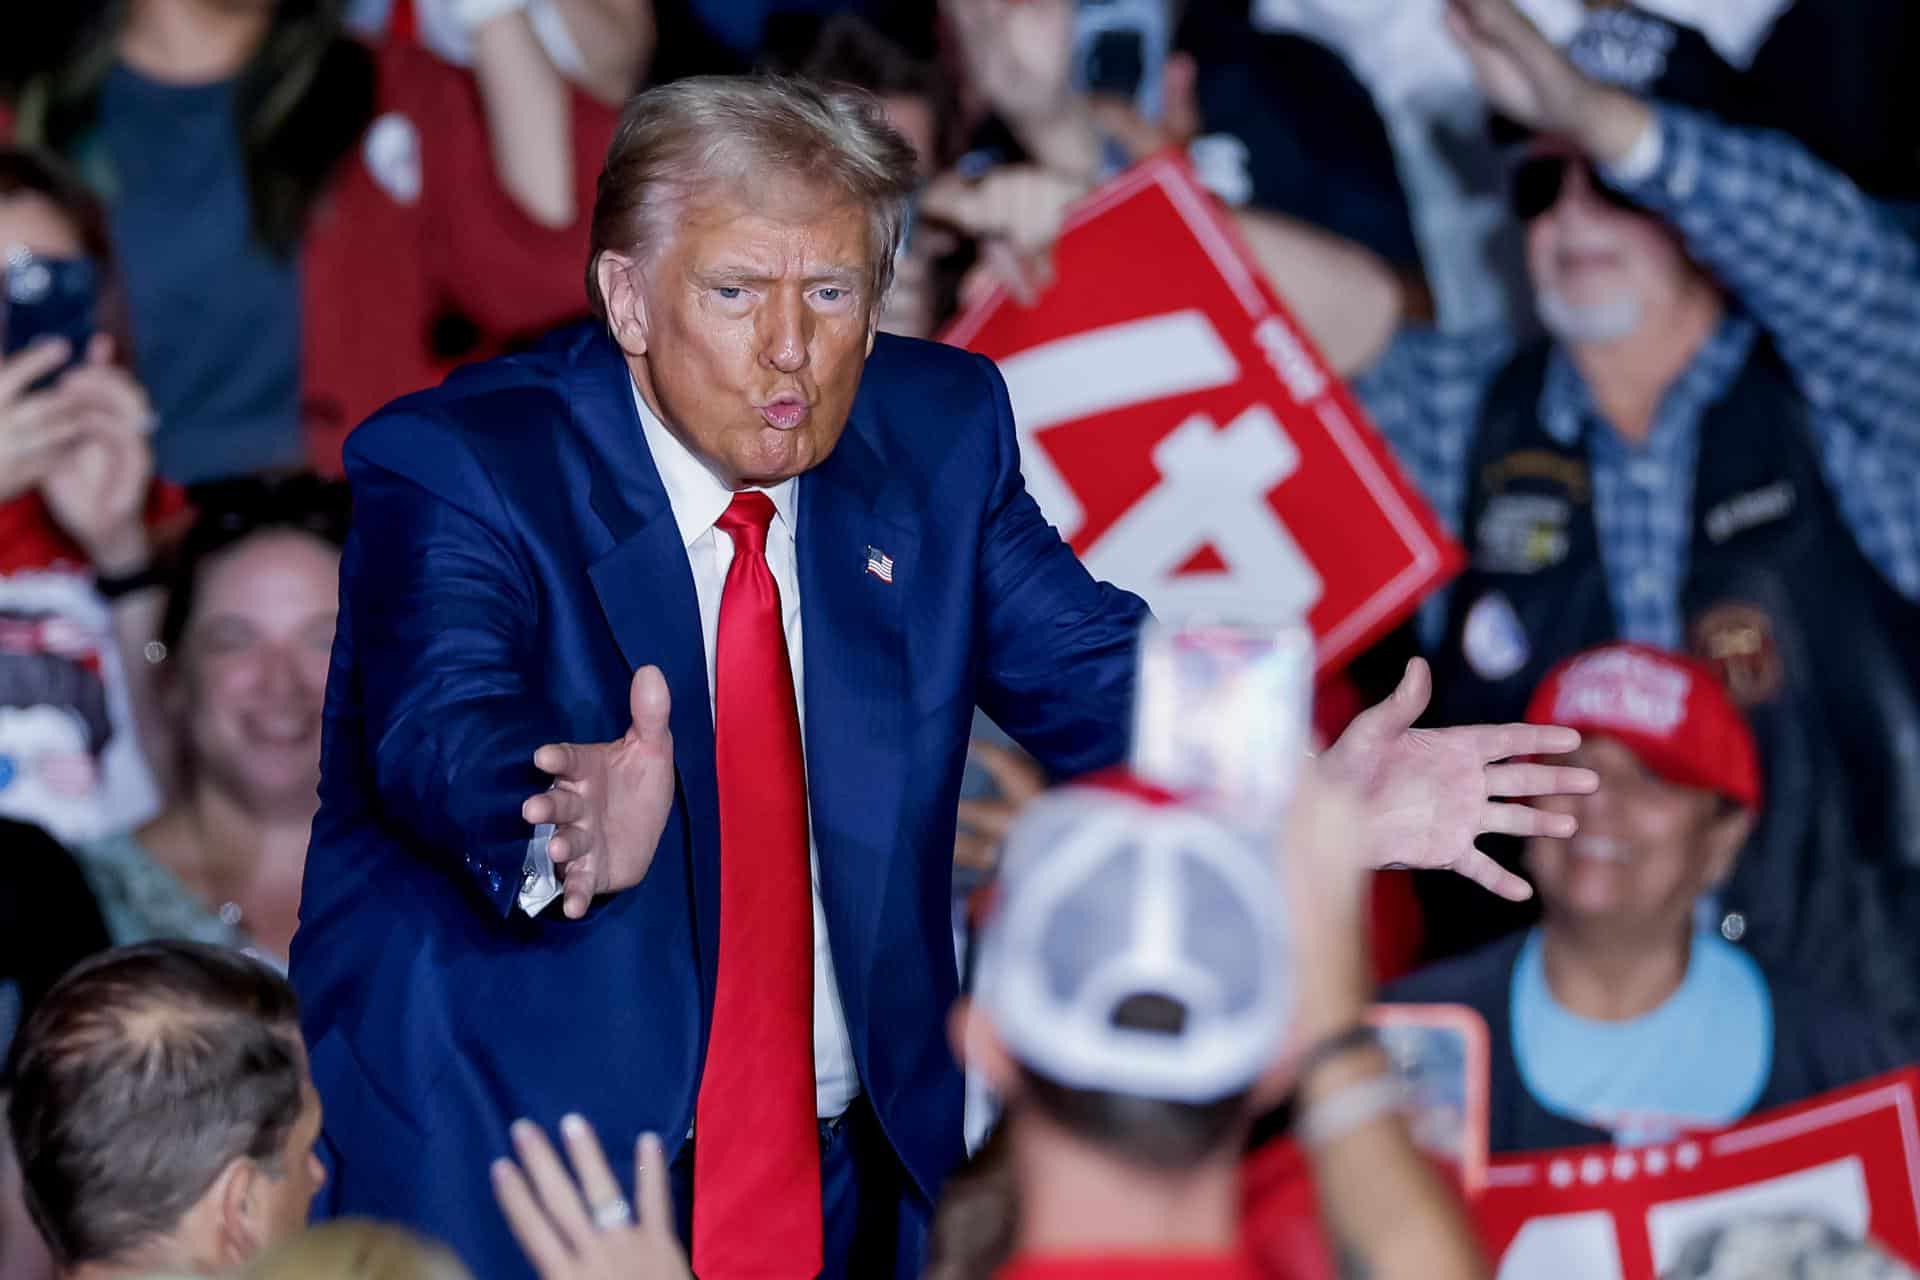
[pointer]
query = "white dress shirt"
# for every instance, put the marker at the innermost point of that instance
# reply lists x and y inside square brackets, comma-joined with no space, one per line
[698,500]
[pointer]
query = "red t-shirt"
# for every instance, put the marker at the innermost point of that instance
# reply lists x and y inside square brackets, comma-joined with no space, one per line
[1134,1266]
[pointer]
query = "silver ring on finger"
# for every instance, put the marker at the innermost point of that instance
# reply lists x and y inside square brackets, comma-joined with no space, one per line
[613,1213]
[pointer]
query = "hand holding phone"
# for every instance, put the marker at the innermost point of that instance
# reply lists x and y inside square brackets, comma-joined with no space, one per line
[73,423]
[35,428]
[48,297]
[96,490]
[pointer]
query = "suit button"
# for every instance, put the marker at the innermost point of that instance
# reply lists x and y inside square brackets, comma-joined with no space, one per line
[1733,926]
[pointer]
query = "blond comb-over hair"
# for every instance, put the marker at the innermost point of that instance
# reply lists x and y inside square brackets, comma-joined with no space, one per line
[705,135]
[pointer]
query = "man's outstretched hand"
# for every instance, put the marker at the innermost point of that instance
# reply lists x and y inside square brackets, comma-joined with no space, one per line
[609,800]
[1428,794]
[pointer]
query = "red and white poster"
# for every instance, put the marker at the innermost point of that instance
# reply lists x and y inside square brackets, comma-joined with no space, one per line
[1180,430]
[1851,1157]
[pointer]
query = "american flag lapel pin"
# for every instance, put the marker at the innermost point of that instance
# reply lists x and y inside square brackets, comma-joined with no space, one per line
[880,564]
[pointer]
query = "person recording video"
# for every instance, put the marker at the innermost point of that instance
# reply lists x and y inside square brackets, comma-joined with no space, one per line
[80,735]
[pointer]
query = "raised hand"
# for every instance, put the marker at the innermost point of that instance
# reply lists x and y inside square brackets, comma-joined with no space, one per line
[1327,883]
[1022,204]
[587,1230]
[1428,794]
[609,800]
[1527,79]
[97,489]
[36,427]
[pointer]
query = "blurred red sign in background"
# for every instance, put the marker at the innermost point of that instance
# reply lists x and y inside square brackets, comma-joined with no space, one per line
[1179,428]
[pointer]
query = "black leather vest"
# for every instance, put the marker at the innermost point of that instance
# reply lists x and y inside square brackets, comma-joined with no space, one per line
[1821,653]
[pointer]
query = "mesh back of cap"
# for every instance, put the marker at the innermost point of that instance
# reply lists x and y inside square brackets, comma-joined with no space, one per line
[1136,948]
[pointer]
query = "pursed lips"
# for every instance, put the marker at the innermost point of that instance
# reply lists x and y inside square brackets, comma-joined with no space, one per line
[785,412]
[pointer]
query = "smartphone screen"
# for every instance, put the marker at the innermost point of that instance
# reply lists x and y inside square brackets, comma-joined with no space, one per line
[1223,712]
[1116,63]
[43,297]
[1120,47]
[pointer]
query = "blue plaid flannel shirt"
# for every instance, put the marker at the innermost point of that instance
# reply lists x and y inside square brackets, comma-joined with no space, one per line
[1809,261]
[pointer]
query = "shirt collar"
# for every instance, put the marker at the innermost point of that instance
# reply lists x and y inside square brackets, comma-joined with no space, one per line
[1565,402]
[697,497]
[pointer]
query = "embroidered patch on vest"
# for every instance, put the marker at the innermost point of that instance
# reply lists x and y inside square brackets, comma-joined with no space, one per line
[1521,533]
[1739,639]
[1744,511]
[1538,464]
[1493,641]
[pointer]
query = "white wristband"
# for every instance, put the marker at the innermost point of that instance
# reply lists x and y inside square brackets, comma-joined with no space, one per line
[474,14]
[550,28]
[446,27]
[1347,1109]
[1642,158]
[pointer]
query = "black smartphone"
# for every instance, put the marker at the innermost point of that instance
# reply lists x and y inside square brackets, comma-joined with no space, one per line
[1120,48]
[43,297]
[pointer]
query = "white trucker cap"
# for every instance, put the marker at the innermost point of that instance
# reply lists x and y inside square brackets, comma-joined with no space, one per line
[1109,891]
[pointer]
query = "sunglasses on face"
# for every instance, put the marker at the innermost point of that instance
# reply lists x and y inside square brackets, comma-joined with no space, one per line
[1538,181]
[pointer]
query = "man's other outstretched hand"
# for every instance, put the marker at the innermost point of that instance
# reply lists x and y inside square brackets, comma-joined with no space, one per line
[1429,794]
[609,800]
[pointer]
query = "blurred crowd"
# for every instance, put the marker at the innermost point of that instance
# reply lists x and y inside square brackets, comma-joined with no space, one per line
[1669,401]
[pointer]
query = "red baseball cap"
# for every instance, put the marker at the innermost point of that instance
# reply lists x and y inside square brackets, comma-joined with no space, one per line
[1671,710]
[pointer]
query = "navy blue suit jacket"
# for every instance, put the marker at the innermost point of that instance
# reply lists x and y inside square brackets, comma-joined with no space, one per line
[512,561]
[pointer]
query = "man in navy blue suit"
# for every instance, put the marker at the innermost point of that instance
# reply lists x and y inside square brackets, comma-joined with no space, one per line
[657,653]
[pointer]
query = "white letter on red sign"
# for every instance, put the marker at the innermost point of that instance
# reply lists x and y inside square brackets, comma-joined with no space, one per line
[1213,492]
[1099,371]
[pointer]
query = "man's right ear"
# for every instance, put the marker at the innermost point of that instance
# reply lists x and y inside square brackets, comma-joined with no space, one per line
[238,1201]
[619,279]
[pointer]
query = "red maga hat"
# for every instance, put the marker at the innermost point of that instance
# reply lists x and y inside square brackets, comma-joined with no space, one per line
[1671,710]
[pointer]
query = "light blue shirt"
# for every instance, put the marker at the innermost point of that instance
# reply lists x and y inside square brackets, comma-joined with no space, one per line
[1700,1059]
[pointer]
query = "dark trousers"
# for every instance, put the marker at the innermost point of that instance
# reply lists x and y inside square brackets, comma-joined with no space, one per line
[876,1220]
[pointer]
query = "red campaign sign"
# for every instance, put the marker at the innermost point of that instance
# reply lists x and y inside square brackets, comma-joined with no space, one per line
[1851,1157]
[1181,431]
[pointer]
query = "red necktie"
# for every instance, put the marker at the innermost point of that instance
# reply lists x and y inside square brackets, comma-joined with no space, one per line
[756,1148]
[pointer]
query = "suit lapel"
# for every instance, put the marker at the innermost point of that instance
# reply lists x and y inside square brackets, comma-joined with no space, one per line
[858,703]
[645,588]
